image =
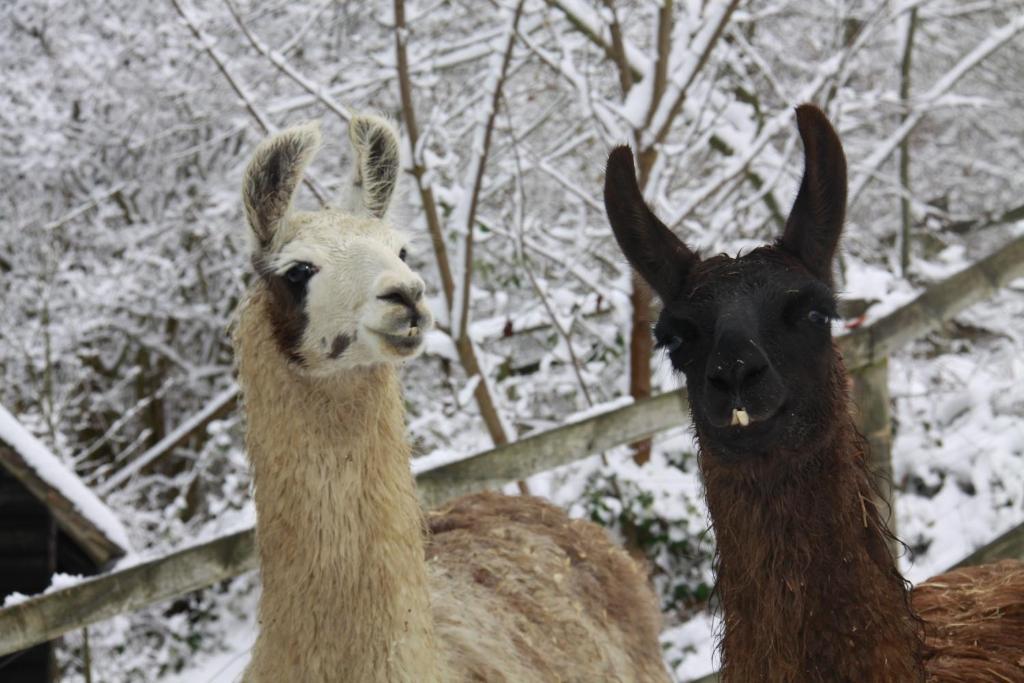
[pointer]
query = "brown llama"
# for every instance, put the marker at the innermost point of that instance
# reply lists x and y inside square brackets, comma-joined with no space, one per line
[357,585]
[809,589]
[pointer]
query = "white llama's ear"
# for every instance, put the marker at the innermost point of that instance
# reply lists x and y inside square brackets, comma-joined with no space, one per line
[375,143]
[272,176]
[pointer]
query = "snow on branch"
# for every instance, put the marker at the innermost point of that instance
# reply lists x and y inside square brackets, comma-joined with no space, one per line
[208,45]
[686,62]
[218,407]
[590,23]
[465,212]
[282,64]
[771,128]
[995,40]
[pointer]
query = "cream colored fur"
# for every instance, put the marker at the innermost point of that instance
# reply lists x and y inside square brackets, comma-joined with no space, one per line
[339,526]
[506,589]
[374,181]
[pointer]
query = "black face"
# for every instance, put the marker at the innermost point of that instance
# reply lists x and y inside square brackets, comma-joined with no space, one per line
[751,334]
[753,337]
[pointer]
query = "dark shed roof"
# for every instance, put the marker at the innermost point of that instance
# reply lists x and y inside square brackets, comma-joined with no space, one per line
[82,516]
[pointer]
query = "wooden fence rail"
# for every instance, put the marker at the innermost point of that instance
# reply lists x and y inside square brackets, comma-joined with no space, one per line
[937,304]
[48,616]
[1009,545]
[553,448]
[45,617]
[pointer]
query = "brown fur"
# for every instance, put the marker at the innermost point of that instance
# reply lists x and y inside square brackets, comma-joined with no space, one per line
[560,583]
[285,311]
[808,587]
[810,592]
[974,623]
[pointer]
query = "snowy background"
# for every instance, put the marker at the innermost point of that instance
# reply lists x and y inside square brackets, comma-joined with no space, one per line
[125,128]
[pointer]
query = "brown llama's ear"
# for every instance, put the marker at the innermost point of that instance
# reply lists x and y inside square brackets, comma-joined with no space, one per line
[273,174]
[375,143]
[660,258]
[816,220]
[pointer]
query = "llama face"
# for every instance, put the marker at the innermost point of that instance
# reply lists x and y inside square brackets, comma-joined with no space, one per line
[751,334]
[341,294]
[338,291]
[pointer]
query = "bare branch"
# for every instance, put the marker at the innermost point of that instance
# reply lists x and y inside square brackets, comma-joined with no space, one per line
[465,213]
[617,53]
[266,127]
[466,348]
[418,169]
[219,406]
[662,60]
[770,129]
[982,50]
[564,332]
[590,25]
[76,212]
[278,60]
[905,68]
[706,41]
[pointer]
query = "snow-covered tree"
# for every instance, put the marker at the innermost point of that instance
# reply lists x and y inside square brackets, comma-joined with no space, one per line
[125,128]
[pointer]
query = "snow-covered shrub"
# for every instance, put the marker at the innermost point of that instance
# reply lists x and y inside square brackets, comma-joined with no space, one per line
[658,511]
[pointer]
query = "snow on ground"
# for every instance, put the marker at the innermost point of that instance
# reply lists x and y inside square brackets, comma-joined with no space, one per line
[959,440]
[222,667]
[690,648]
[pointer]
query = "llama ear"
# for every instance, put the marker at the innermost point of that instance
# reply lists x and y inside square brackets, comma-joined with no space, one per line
[273,174]
[651,248]
[816,220]
[375,144]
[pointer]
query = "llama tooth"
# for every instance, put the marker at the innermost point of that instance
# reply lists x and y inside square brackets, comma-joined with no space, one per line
[740,417]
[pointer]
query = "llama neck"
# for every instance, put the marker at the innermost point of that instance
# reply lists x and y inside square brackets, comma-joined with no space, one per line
[809,589]
[339,527]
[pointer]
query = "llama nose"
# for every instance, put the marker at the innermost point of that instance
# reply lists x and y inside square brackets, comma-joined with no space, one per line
[731,373]
[407,295]
[404,295]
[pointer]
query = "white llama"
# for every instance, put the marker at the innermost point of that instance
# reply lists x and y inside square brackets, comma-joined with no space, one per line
[357,586]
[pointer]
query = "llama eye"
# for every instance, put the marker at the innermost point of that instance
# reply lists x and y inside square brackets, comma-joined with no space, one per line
[672,343]
[673,333]
[817,317]
[402,254]
[300,273]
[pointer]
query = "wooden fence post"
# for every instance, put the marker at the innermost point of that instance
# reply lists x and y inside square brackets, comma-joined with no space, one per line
[874,420]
